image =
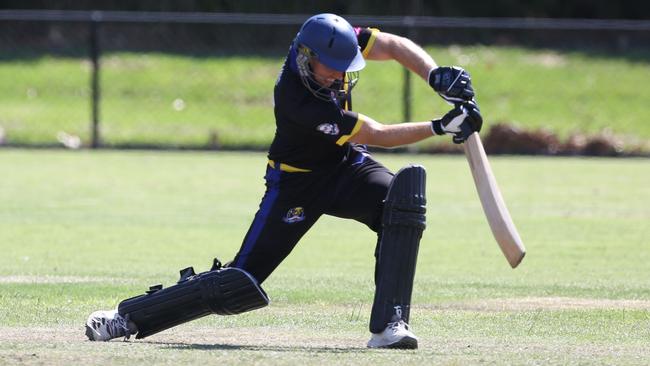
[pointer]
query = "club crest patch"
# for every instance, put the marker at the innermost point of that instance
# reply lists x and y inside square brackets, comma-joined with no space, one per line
[328,128]
[294,215]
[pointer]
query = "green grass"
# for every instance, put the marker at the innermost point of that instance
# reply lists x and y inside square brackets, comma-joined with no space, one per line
[231,97]
[82,231]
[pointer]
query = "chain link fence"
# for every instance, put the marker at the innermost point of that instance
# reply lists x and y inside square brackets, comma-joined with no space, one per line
[205,81]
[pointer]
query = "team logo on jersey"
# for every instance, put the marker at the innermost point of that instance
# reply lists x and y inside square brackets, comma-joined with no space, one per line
[294,215]
[328,128]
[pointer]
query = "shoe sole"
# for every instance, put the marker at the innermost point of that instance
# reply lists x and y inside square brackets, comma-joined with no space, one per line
[404,343]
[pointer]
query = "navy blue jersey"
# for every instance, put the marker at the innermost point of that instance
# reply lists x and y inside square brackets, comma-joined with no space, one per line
[311,133]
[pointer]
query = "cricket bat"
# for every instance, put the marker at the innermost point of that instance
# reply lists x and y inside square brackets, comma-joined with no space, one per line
[495,209]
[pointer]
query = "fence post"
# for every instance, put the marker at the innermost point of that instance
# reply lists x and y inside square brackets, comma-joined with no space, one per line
[94,78]
[406,85]
[407,96]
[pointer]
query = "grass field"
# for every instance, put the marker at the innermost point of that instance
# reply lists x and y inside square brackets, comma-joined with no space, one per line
[157,98]
[81,231]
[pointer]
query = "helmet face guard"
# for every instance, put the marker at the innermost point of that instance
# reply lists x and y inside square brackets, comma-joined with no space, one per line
[337,91]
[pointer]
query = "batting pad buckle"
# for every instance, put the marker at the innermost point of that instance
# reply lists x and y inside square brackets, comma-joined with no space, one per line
[186,273]
[216,264]
[154,288]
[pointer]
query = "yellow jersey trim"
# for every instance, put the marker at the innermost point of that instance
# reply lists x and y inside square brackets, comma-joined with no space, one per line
[345,87]
[371,42]
[288,168]
[357,126]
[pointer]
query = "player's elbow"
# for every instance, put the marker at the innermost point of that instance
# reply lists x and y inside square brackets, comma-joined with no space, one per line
[387,46]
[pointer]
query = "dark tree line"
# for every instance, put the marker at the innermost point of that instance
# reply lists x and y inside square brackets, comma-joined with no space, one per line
[606,9]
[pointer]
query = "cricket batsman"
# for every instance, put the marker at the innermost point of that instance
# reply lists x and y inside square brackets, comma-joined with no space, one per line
[318,165]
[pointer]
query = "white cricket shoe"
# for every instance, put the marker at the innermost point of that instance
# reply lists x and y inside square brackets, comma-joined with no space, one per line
[396,335]
[106,325]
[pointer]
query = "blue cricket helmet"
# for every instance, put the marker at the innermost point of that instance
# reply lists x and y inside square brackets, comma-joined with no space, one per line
[333,41]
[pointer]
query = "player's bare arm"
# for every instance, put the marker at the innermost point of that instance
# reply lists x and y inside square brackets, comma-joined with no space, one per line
[464,117]
[376,134]
[452,83]
[389,46]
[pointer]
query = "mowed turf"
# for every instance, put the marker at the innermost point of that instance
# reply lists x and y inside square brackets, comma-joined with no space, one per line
[171,99]
[80,231]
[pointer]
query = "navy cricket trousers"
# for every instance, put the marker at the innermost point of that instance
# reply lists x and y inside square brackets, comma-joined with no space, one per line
[293,202]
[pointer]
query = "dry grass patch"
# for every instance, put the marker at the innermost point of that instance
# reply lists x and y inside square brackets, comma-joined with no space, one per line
[545,303]
[49,279]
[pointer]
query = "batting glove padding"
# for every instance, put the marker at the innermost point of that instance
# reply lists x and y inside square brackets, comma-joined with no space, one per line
[452,83]
[461,122]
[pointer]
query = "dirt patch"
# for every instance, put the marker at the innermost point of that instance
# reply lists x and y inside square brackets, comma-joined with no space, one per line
[506,138]
[290,345]
[256,338]
[53,334]
[188,336]
[546,303]
[60,343]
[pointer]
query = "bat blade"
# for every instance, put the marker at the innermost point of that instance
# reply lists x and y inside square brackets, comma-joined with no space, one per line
[496,212]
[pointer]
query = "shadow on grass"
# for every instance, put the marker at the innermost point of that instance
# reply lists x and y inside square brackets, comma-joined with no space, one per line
[263,348]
